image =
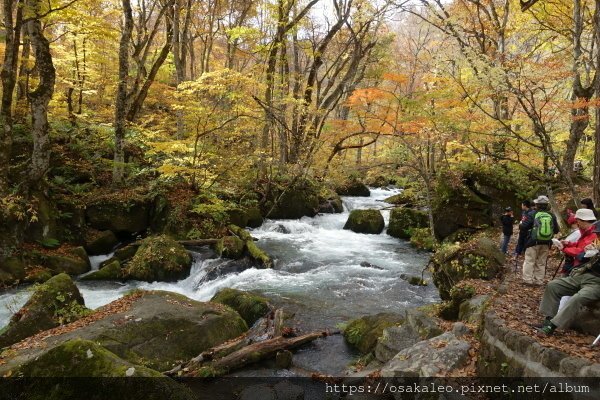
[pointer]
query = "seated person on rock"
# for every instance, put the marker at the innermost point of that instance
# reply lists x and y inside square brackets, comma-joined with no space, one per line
[583,285]
[574,251]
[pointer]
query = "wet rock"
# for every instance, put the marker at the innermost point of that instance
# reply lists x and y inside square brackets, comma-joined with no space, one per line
[159,258]
[459,329]
[416,281]
[406,198]
[365,221]
[250,306]
[432,357]
[280,228]
[403,220]
[55,302]
[126,253]
[230,247]
[37,275]
[109,272]
[366,264]
[353,188]
[255,218]
[252,250]
[69,265]
[363,332]
[222,267]
[102,243]
[292,202]
[330,202]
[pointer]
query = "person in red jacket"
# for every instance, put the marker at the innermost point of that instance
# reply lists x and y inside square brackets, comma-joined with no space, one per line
[573,251]
[585,203]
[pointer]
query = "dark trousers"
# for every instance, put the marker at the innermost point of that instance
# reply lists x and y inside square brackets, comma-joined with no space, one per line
[505,242]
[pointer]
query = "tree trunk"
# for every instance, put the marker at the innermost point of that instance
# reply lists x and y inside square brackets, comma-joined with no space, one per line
[9,78]
[121,98]
[40,97]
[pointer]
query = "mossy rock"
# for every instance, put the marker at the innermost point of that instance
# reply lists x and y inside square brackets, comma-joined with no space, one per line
[169,328]
[79,252]
[292,202]
[78,358]
[230,247]
[480,258]
[252,249]
[363,332]
[69,265]
[110,272]
[12,270]
[254,216]
[125,253]
[237,217]
[159,258]
[404,220]
[406,198]
[353,188]
[330,202]
[37,275]
[102,243]
[53,303]
[365,221]
[46,225]
[119,215]
[250,306]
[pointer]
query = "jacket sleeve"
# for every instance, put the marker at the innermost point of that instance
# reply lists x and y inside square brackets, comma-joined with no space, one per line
[574,249]
[556,227]
[527,222]
[571,220]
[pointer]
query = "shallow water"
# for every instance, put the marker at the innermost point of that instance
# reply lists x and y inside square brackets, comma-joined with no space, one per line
[317,276]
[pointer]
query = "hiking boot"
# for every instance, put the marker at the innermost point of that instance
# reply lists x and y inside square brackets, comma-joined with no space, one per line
[542,324]
[547,330]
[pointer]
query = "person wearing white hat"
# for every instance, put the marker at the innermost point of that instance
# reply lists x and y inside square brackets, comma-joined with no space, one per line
[585,219]
[541,227]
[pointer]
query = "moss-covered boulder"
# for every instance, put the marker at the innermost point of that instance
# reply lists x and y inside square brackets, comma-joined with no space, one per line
[67,264]
[126,216]
[53,303]
[101,243]
[126,253]
[404,220]
[354,188]
[110,272]
[292,201]
[406,198]
[479,258]
[166,328]
[255,218]
[363,332]
[252,250]
[237,217]
[37,274]
[365,221]
[250,306]
[330,202]
[12,270]
[159,258]
[231,247]
[78,358]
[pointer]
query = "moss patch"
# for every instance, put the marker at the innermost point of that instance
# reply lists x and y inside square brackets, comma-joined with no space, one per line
[404,220]
[250,306]
[365,221]
[159,258]
[363,332]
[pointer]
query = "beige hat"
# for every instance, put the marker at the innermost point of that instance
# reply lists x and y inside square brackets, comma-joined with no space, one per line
[585,214]
[542,200]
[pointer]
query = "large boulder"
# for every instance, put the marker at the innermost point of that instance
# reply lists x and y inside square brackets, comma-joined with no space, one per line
[72,265]
[354,188]
[330,202]
[159,258]
[363,332]
[587,319]
[250,306]
[472,310]
[125,216]
[101,243]
[479,258]
[293,202]
[365,221]
[404,220]
[78,358]
[406,198]
[55,302]
[251,249]
[417,326]
[432,357]
[110,272]
[254,216]
[230,247]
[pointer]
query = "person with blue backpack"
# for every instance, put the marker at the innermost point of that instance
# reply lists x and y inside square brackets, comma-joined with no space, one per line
[541,227]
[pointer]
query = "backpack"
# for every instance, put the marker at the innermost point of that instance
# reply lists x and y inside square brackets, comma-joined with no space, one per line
[543,227]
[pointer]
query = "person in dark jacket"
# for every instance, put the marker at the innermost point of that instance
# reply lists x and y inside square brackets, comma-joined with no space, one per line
[526,215]
[536,253]
[507,220]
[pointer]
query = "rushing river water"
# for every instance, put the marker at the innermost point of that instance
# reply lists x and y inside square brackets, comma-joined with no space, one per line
[317,275]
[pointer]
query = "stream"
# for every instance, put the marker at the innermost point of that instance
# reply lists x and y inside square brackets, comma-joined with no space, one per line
[317,276]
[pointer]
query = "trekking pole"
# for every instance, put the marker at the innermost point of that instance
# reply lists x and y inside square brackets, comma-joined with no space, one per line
[596,341]
[557,269]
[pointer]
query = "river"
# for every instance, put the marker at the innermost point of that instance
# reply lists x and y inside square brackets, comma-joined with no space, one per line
[317,276]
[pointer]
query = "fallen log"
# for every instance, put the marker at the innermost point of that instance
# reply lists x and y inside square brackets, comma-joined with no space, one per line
[200,242]
[251,354]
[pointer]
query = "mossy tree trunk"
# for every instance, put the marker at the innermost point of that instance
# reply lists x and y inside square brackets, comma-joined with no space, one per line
[40,97]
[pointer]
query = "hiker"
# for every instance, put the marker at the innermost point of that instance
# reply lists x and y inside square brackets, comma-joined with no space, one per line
[507,220]
[574,251]
[526,214]
[585,203]
[542,228]
[583,284]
